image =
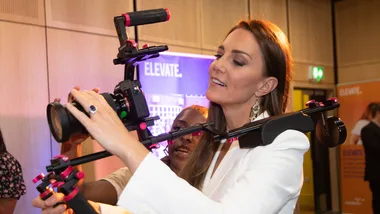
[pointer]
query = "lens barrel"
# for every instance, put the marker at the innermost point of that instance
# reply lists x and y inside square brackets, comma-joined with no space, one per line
[63,124]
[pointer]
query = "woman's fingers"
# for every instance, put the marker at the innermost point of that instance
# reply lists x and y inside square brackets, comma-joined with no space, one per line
[54,199]
[38,202]
[93,95]
[70,97]
[83,118]
[102,101]
[61,209]
[51,201]
[84,99]
[96,90]
[88,98]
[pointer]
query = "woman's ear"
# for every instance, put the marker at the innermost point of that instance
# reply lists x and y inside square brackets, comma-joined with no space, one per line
[268,85]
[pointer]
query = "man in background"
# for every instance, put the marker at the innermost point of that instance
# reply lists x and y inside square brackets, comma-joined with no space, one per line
[370,136]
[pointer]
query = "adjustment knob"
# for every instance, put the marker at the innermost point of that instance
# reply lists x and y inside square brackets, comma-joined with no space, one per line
[154,146]
[143,126]
[132,43]
[63,157]
[331,101]
[311,104]
[79,175]
[38,177]
[146,46]
[57,184]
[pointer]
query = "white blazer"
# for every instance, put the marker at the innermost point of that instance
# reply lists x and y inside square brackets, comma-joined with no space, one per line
[263,180]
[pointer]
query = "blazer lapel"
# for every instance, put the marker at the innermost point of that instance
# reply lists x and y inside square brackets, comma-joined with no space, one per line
[233,155]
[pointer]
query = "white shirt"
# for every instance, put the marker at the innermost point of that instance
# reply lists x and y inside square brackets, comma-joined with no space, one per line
[263,180]
[358,128]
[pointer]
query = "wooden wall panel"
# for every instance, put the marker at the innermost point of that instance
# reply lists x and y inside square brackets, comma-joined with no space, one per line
[310,31]
[173,48]
[183,28]
[310,34]
[359,72]
[24,95]
[87,15]
[358,44]
[218,17]
[271,10]
[209,52]
[24,11]
[86,60]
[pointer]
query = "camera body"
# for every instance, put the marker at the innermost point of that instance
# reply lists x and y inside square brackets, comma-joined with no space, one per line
[128,101]
[136,104]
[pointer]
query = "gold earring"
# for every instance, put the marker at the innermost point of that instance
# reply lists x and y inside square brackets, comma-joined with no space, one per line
[255,109]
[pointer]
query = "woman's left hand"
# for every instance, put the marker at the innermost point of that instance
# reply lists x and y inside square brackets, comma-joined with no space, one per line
[106,127]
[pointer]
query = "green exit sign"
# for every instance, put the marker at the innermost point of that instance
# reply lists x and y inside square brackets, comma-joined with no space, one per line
[316,73]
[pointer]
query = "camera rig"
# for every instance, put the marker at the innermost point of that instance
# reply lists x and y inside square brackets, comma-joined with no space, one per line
[62,175]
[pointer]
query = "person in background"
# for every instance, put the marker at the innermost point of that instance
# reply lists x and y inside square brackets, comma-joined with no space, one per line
[12,185]
[363,121]
[108,189]
[178,152]
[370,135]
[248,81]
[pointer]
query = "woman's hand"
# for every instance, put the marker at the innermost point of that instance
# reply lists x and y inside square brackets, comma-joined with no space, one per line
[106,128]
[76,138]
[48,205]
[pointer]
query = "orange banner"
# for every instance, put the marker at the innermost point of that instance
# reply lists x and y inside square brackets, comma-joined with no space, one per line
[354,100]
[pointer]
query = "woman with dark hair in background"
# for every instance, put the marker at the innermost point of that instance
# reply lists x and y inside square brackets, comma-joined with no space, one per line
[248,81]
[12,185]
[363,121]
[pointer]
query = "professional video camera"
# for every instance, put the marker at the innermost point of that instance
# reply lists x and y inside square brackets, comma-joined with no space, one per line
[129,103]
[127,100]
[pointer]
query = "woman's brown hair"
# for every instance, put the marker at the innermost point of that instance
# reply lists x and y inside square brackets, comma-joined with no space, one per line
[278,63]
[367,113]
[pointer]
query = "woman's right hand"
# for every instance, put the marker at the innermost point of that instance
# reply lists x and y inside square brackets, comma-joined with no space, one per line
[76,138]
[47,206]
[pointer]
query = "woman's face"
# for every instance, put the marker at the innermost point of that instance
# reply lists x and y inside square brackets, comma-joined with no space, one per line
[181,148]
[237,72]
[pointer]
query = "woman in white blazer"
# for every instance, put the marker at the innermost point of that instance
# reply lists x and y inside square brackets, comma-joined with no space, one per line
[249,80]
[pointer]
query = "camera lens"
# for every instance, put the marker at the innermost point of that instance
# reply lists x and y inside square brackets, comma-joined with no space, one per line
[63,124]
[56,123]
